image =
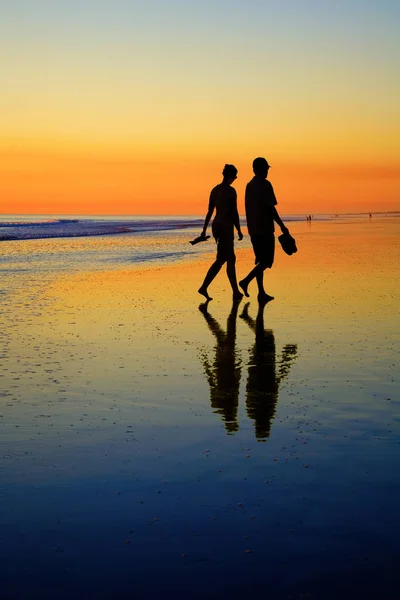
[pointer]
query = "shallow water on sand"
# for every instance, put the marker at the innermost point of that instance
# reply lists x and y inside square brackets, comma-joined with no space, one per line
[151,446]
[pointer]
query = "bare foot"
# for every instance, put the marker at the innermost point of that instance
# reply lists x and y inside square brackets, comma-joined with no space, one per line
[264,297]
[243,284]
[203,292]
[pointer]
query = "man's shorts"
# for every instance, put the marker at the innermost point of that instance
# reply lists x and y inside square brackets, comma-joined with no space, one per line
[264,249]
[224,237]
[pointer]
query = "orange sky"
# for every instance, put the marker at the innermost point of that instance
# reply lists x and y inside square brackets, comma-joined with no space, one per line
[115,110]
[41,182]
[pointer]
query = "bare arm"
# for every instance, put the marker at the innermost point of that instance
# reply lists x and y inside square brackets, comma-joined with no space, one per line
[211,206]
[236,220]
[279,221]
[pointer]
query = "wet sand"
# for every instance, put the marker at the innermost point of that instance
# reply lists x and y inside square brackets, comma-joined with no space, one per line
[153,447]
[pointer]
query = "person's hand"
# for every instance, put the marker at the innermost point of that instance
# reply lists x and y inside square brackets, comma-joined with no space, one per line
[284,229]
[240,236]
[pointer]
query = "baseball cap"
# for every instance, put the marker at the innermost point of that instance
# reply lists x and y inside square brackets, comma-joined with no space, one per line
[260,164]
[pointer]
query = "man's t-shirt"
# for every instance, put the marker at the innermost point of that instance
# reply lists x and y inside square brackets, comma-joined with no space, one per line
[259,201]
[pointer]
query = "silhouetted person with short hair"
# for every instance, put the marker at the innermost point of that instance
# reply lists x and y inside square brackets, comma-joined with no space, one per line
[224,372]
[223,199]
[261,214]
[264,377]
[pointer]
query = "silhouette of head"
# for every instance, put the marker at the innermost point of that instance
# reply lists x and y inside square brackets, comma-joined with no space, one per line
[260,166]
[230,172]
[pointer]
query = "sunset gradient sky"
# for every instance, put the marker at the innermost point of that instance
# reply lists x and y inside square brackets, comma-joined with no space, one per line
[133,106]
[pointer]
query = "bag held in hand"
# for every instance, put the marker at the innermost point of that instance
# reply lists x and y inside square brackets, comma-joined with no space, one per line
[288,243]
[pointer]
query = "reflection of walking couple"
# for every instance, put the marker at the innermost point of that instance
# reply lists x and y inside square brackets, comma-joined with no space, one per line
[264,373]
[261,214]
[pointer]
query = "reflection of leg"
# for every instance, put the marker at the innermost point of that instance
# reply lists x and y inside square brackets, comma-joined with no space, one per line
[213,325]
[224,372]
[203,308]
[231,272]
[261,387]
[246,317]
[211,274]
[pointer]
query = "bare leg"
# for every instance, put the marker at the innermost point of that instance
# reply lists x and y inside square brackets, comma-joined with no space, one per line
[260,282]
[211,274]
[231,272]
[262,294]
[244,283]
[258,273]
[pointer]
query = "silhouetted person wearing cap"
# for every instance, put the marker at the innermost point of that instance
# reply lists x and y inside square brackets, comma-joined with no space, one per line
[223,199]
[223,373]
[261,214]
[264,375]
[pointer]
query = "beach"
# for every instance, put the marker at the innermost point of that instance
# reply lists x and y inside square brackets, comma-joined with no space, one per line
[153,446]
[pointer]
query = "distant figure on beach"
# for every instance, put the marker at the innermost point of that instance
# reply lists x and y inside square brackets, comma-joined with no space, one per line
[224,372]
[261,214]
[223,199]
[264,378]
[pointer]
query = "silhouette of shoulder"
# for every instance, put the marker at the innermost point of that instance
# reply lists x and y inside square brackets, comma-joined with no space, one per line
[260,190]
[223,190]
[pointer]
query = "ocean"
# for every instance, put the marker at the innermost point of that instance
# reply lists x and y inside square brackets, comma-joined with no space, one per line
[26,227]
[41,246]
